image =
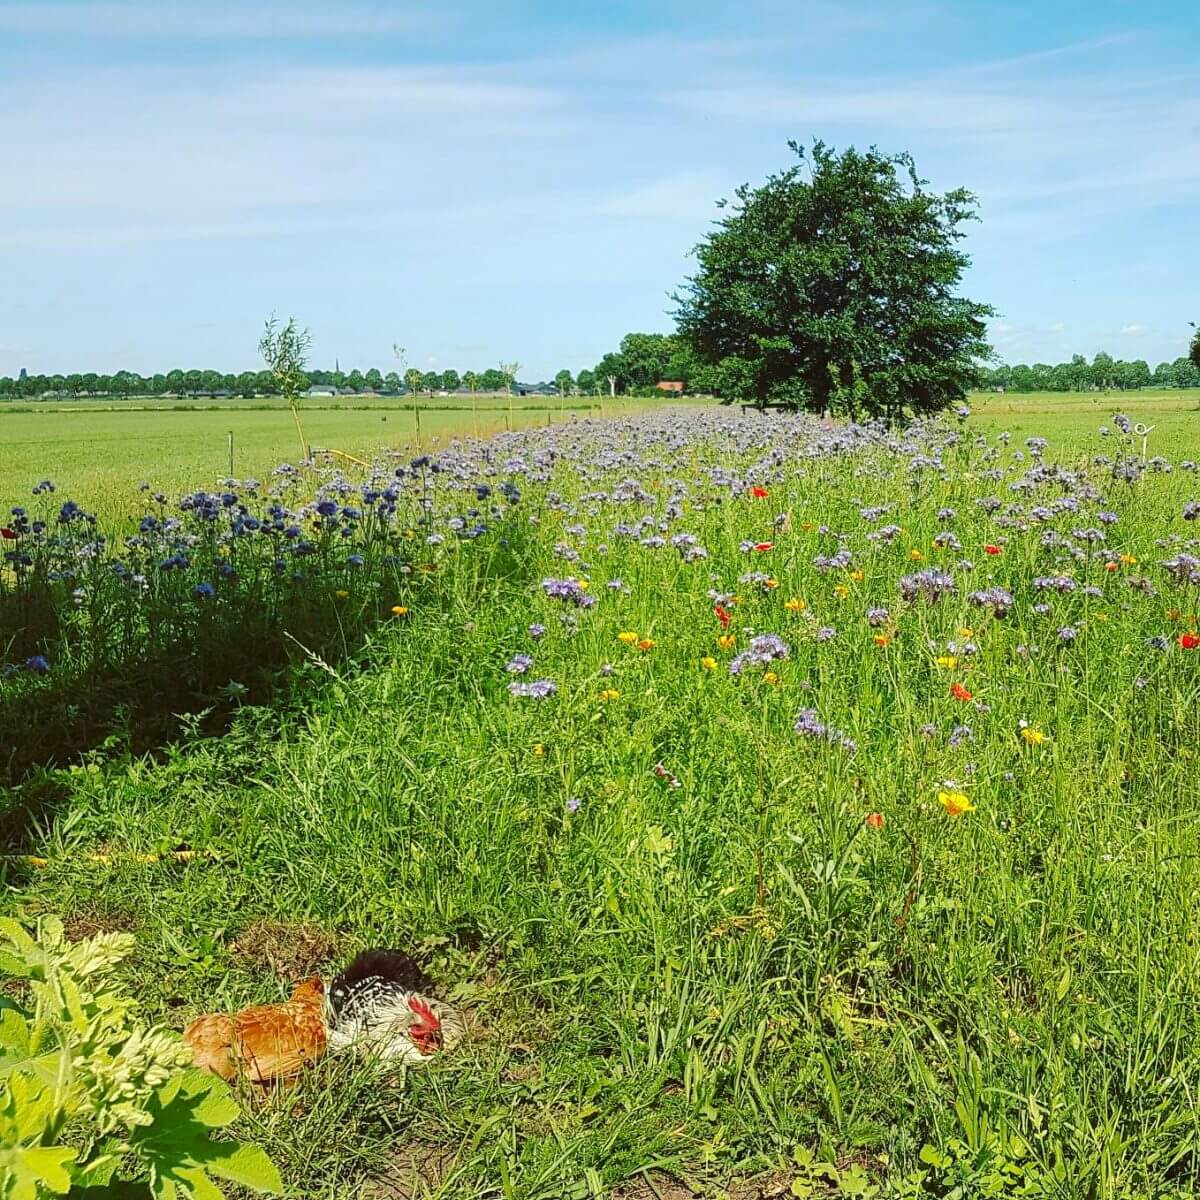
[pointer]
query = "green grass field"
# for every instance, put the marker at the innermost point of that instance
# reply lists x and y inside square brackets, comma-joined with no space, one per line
[1071,419]
[906,908]
[99,454]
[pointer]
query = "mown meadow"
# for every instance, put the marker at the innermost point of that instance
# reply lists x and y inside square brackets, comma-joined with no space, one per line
[794,808]
[104,450]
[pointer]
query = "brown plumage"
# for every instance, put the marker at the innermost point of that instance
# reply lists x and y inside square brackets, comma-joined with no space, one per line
[264,1043]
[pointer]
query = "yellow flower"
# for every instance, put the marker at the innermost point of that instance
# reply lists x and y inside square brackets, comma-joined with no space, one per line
[915,555]
[539,750]
[771,584]
[955,803]
[857,576]
[708,663]
[967,632]
[342,594]
[948,661]
[1130,560]
[409,535]
[882,639]
[726,641]
[841,591]
[1032,735]
[647,644]
[1102,618]
[399,610]
[628,636]
[770,677]
[584,584]
[610,694]
[795,605]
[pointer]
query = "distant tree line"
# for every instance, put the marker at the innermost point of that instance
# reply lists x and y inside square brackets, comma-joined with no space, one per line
[1103,373]
[247,384]
[643,360]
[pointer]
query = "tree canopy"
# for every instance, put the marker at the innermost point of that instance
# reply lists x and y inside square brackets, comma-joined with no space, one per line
[1103,373]
[831,287]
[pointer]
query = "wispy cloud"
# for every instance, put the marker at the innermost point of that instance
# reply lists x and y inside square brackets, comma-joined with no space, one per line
[171,19]
[1031,136]
[688,195]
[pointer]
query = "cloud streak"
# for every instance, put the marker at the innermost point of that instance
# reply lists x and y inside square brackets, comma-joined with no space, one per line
[166,19]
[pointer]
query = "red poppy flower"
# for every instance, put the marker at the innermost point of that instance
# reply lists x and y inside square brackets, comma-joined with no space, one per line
[9,534]
[990,549]
[1111,566]
[723,615]
[875,820]
[959,692]
[759,493]
[1189,641]
[764,545]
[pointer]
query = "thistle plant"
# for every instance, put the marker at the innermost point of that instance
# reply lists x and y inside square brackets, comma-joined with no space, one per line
[89,1098]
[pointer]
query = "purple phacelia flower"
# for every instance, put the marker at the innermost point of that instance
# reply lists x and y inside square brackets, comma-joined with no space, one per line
[809,724]
[931,583]
[537,689]
[568,590]
[764,650]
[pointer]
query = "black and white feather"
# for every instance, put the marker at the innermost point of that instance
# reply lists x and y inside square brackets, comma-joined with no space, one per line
[382,1005]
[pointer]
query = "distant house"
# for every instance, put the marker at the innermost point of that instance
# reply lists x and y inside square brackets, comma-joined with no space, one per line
[674,386]
[322,389]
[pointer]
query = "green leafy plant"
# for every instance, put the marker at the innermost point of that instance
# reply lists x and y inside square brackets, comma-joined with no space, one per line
[815,1178]
[1000,1166]
[284,349]
[91,1102]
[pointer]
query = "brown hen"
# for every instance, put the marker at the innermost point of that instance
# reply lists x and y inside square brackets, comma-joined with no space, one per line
[264,1043]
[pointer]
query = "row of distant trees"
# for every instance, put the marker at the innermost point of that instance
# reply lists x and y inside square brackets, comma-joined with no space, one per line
[250,383]
[642,361]
[247,383]
[1103,373]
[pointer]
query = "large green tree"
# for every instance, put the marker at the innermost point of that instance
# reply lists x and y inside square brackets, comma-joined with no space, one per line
[645,357]
[1194,352]
[833,286]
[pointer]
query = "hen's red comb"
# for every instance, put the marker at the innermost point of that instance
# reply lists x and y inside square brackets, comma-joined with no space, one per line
[428,1017]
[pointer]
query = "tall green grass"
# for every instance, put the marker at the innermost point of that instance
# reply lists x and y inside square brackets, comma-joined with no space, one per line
[708,981]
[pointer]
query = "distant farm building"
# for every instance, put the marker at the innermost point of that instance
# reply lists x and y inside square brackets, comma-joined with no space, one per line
[674,386]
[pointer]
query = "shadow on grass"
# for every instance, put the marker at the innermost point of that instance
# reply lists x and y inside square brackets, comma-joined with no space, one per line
[142,700]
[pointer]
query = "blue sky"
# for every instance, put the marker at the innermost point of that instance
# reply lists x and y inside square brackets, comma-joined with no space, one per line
[479,180]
